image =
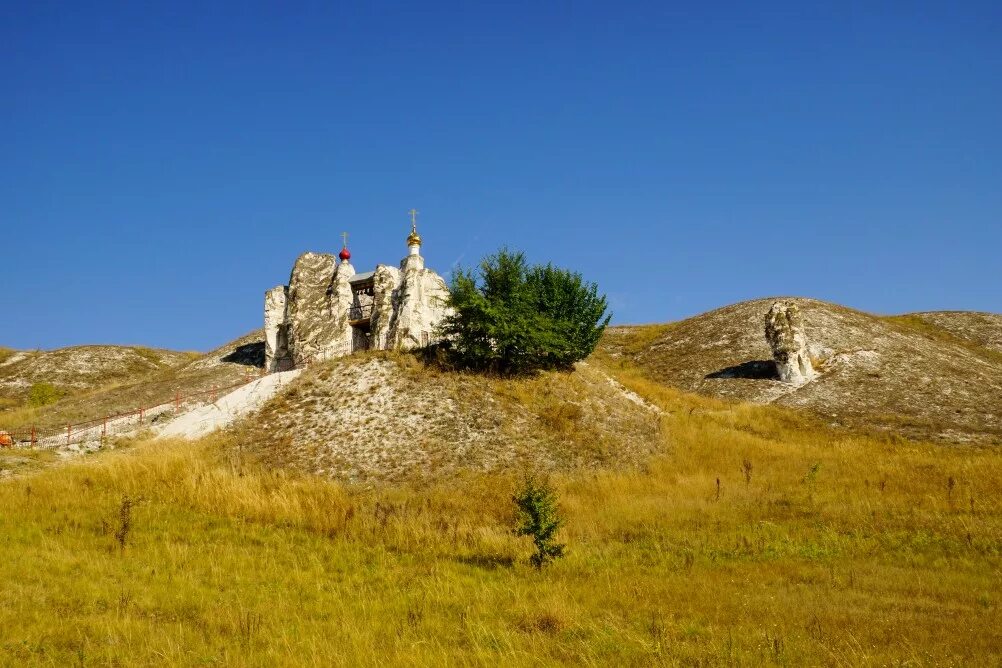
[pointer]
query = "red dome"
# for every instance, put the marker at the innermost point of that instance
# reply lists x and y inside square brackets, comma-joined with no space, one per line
[345,254]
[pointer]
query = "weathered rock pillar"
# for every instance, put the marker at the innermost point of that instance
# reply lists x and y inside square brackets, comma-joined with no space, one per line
[784,330]
[276,330]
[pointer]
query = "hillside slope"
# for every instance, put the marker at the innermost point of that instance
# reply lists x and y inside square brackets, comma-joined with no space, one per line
[388,417]
[876,372]
[104,380]
[753,536]
[82,367]
[980,329]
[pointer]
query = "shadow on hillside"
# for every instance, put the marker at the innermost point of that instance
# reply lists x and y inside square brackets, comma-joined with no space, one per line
[755,370]
[249,354]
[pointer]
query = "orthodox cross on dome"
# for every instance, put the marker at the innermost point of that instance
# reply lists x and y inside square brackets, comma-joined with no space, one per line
[413,239]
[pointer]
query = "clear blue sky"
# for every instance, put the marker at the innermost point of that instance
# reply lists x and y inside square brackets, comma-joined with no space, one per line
[163,164]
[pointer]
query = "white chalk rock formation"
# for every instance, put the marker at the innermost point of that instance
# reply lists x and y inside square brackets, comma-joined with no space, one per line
[310,324]
[340,300]
[421,301]
[276,330]
[784,330]
[385,300]
[328,310]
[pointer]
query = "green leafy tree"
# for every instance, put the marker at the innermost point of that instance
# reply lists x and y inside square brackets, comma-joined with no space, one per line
[513,318]
[539,517]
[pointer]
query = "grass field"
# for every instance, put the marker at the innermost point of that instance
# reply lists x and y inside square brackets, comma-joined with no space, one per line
[755,536]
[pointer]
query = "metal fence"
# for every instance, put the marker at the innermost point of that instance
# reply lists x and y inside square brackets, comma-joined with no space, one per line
[98,429]
[101,428]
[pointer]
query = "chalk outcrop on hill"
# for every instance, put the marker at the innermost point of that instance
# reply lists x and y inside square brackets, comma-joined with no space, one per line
[419,305]
[784,330]
[900,374]
[276,329]
[328,310]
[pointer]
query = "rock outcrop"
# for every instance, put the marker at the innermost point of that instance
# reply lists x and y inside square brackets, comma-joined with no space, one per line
[340,300]
[421,302]
[385,299]
[276,330]
[328,310]
[784,330]
[310,325]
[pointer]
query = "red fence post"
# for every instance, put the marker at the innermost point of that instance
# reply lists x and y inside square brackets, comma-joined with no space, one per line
[213,394]
[33,436]
[177,401]
[140,414]
[69,429]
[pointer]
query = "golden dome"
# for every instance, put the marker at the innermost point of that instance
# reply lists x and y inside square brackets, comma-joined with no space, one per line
[413,239]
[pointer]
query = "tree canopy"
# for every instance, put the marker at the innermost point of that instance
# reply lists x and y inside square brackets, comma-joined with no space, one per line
[511,318]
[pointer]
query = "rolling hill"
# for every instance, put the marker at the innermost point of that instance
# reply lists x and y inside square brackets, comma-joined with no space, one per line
[739,534]
[379,416]
[104,380]
[980,329]
[366,511]
[931,376]
[82,367]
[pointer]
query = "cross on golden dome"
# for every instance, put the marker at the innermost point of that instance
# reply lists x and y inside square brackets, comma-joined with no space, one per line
[413,239]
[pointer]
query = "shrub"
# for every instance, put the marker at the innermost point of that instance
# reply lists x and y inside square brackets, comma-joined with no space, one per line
[43,394]
[539,517]
[514,319]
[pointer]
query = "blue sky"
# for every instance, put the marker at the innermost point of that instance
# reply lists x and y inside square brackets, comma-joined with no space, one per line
[162,165]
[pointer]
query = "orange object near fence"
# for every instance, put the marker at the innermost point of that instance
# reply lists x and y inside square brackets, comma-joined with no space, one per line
[13,437]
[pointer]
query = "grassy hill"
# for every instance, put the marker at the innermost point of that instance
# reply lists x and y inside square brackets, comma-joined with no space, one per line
[81,367]
[382,416]
[92,381]
[364,515]
[932,376]
[747,535]
[980,329]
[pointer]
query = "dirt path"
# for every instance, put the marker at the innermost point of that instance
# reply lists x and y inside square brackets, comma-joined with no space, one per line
[243,400]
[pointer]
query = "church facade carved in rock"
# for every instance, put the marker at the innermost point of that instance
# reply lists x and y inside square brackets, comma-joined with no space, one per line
[329,310]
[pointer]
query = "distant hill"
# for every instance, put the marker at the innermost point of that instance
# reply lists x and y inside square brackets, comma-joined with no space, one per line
[927,375]
[980,329]
[935,375]
[101,380]
[82,367]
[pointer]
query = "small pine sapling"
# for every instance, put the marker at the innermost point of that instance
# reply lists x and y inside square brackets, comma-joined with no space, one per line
[125,522]
[539,517]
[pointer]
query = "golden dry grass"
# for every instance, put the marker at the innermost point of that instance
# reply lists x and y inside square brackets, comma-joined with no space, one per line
[753,537]
[5,353]
[15,415]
